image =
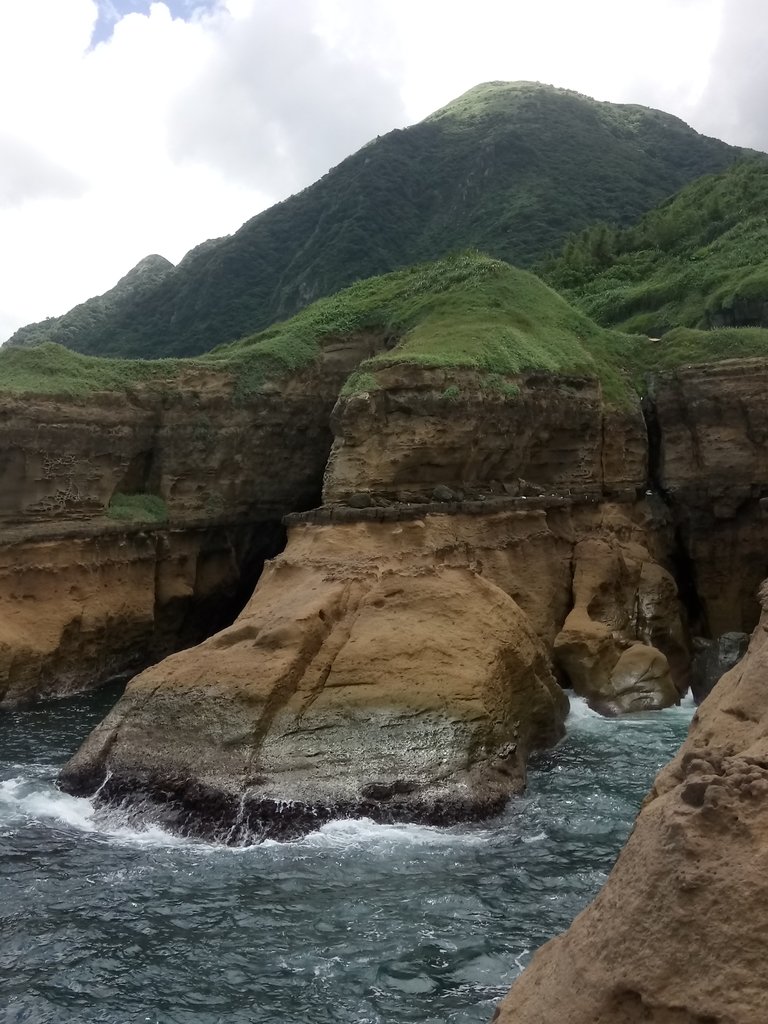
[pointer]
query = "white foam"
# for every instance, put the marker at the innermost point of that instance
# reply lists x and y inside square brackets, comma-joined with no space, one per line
[581,715]
[366,833]
[24,798]
[30,799]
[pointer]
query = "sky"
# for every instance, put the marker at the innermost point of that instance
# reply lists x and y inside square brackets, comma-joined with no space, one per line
[130,127]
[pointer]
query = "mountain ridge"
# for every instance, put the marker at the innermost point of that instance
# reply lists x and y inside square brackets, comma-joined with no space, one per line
[508,168]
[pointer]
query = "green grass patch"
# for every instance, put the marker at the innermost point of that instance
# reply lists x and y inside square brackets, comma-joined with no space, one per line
[137,508]
[468,311]
[359,382]
[53,369]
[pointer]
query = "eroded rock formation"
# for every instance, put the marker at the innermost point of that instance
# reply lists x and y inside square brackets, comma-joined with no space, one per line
[78,608]
[397,668]
[676,935]
[375,672]
[625,608]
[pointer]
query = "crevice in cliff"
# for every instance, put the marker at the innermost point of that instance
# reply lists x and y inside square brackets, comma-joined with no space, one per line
[682,565]
[228,565]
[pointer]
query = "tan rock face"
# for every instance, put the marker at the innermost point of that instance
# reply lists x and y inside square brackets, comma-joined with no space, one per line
[76,610]
[210,456]
[424,428]
[368,675]
[83,598]
[621,596]
[677,934]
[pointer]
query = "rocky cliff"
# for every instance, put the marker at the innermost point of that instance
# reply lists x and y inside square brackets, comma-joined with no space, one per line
[676,935]
[573,520]
[396,660]
[711,464]
[88,590]
[397,668]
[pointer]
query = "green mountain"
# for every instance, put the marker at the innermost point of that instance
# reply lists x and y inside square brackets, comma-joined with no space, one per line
[95,316]
[509,168]
[466,311]
[699,260]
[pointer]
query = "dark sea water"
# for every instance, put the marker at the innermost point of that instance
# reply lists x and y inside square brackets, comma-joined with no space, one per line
[358,923]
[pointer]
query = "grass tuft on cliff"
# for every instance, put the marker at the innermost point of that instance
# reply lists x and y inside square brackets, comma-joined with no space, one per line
[698,260]
[137,508]
[52,369]
[467,311]
[509,167]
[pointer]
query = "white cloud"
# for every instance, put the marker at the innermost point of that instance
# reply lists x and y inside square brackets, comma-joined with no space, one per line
[173,130]
[26,174]
[279,102]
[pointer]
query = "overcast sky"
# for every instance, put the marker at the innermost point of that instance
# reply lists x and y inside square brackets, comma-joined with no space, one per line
[129,127]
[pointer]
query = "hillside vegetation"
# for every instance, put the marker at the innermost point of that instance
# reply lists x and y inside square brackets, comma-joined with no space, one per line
[509,168]
[469,311]
[698,260]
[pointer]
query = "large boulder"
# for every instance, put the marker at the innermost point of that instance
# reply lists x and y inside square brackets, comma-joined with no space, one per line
[624,602]
[677,935]
[363,678]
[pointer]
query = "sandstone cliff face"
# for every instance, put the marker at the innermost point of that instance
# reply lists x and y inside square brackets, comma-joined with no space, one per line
[712,440]
[82,598]
[78,608]
[625,607]
[422,427]
[210,456]
[677,934]
[374,672]
[397,669]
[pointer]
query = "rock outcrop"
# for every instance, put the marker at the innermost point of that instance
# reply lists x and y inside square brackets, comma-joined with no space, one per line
[712,659]
[711,434]
[375,672]
[79,607]
[422,428]
[676,935]
[623,604]
[397,668]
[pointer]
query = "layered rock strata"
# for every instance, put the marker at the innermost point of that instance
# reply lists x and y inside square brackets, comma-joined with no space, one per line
[83,597]
[78,609]
[421,428]
[677,934]
[709,429]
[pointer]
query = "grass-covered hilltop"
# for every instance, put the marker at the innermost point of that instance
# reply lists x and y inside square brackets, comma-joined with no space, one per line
[508,168]
[699,260]
[466,311]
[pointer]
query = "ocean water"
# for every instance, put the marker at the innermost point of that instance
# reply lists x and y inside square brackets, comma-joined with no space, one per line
[102,920]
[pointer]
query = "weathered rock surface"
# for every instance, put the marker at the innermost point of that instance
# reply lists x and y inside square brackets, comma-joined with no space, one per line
[77,609]
[623,604]
[374,672]
[425,428]
[712,659]
[209,455]
[82,597]
[677,935]
[711,426]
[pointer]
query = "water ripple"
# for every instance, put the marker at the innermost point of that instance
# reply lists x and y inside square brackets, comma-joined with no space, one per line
[102,920]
